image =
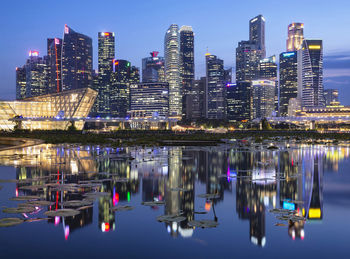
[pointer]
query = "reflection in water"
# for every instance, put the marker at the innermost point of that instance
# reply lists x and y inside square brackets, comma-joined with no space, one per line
[289,178]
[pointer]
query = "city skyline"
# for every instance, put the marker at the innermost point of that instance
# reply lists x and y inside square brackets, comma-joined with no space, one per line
[207,33]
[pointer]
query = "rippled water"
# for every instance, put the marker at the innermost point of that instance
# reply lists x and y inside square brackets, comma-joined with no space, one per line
[244,183]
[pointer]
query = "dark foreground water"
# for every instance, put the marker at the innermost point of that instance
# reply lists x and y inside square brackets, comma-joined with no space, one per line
[244,183]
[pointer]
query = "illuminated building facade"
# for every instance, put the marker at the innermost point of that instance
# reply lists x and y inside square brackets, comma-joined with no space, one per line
[106,53]
[325,112]
[119,93]
[249,53]
[295,36]
[310,74]
[247,61]
[20,83]
[331,97]
[239,101]
[36,75]
[215,88]
[134,75]
[76,60]
[294,105]
[48,112]
[288,86]
[95,85]
[149,100]
[199,98]
[187,70]
[153,68]
[172,69]
[268,70]
[257,33]
[54,54]
[263,98]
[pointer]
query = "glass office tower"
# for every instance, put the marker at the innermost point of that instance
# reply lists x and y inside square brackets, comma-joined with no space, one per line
[172,69]
[106,54]
[76,60]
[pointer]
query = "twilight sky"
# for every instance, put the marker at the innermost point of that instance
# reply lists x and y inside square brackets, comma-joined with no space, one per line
[140,26]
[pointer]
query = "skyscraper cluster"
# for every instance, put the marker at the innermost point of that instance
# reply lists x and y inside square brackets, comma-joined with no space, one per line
[168,87]
[300,83]
[68,65]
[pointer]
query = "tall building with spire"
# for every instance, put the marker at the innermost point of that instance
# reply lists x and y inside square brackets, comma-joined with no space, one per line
[172,69]
[295,36]
[76,60]
[187,70]
[106,55]
[310,74]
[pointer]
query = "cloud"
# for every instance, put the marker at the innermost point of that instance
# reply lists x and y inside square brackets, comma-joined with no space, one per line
[336,72]
[337,61]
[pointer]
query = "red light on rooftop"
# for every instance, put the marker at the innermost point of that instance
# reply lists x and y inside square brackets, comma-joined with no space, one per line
[154,54]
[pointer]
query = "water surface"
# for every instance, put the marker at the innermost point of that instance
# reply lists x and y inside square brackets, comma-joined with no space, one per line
[244,180]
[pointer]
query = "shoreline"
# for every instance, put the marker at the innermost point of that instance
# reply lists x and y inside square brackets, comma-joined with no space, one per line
[164,138]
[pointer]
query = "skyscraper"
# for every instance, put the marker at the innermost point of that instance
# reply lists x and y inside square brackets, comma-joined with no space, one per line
[54,54]
[215,88]
[288,84]
[153,68]
[172,69]
[228,75]
[20,83]
[76,60]
[295,36]
[239,101]
[268,70]
[134,75]
[124,75]
[263,98]
[247,61]
[187,70]
[149,100]
[310,74]
[106,53]
[249,53]
[95,86]
[331,97]
[257,33]
[119,93]
[199,98]
[36,75]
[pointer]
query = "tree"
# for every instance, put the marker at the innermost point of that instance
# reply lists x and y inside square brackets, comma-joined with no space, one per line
[72,126]
[265,124]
